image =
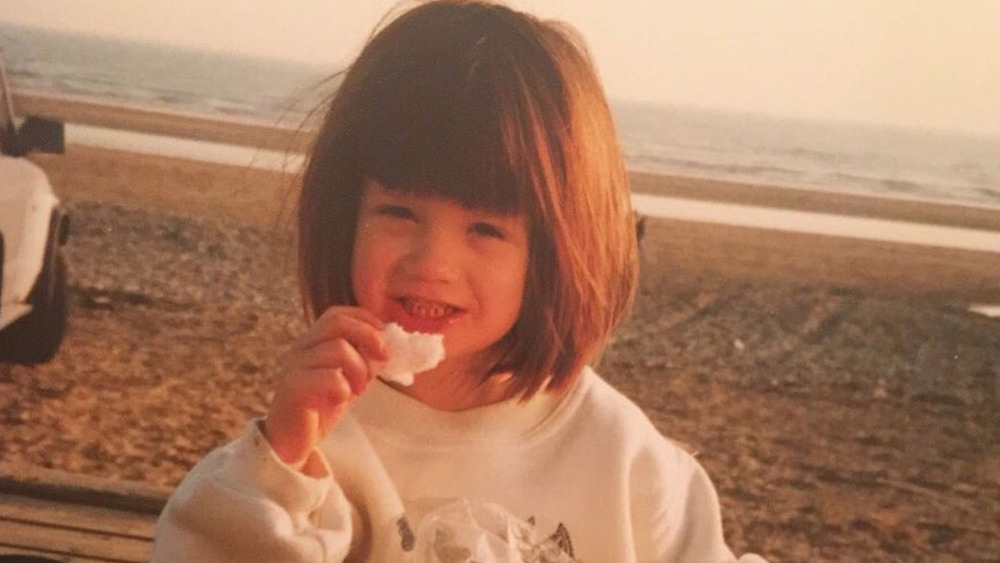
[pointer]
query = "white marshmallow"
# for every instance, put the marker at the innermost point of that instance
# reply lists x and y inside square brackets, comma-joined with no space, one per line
[409,353]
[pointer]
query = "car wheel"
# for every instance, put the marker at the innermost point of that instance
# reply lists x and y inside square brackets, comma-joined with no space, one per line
[35,338]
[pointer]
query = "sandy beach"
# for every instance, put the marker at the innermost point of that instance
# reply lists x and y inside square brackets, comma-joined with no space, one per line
[839,392]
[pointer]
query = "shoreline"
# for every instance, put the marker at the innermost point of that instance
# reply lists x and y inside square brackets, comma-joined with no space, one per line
[808,222]
[160,122]
[928,226]
[268,140]
[954,214]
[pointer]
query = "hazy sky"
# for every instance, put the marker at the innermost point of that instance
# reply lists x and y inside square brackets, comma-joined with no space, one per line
[925,63]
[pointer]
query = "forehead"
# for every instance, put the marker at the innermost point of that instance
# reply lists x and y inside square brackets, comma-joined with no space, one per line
[373,189]
[375,192]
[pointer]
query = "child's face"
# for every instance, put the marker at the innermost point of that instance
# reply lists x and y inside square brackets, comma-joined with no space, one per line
[434,266]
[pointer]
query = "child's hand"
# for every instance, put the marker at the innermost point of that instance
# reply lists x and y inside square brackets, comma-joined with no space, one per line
[322,374]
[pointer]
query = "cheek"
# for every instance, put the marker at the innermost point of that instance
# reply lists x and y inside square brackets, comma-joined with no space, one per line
[366,268]
[509,286]
[515,301]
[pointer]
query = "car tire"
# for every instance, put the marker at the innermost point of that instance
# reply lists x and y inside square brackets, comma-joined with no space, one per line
[35,338]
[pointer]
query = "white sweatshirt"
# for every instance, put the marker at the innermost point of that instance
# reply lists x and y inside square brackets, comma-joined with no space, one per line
[579,477]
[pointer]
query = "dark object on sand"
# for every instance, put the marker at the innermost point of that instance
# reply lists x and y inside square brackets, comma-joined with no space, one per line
[33,229]
[640,226]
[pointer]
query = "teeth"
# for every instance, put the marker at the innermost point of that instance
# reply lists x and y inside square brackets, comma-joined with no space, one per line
[427,310]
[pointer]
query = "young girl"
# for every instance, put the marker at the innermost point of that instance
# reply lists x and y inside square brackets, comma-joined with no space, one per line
[466,182]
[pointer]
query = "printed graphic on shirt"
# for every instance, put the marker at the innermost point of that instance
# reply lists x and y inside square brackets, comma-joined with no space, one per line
[467,531]
[406,537]
[560,538]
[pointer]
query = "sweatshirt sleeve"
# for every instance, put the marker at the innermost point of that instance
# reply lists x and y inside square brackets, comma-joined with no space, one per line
[675,502]
[242,503]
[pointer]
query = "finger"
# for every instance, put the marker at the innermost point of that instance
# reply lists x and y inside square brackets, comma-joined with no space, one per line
[320,389]
[327,388]
[360,333]
[340,355]
[301,414]
[358,313]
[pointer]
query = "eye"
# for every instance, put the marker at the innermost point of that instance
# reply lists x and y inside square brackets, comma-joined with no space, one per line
[398,211]
[487,230]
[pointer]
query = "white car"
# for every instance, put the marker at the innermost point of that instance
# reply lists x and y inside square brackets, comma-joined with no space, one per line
[33,229]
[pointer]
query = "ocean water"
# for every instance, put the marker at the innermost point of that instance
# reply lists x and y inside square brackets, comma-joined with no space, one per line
[840,157]
[837,157]
[152,76]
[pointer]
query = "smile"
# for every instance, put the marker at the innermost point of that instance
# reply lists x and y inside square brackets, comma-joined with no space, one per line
[422,315]
[427,309]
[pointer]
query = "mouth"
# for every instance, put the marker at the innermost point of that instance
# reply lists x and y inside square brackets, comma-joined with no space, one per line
[423,309]
[424,315]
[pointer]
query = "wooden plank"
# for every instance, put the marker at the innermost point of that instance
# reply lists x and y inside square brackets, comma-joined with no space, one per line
[71,517]
[56,557]
[77,517]
[78,545]
[8,551]
[60,486]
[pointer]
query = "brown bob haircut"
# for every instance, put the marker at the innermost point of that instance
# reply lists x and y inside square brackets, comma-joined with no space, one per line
[496,110]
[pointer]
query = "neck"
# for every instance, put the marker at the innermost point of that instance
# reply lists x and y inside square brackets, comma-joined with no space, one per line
[455,388]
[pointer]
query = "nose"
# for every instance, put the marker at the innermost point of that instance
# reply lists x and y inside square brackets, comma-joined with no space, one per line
[434,256]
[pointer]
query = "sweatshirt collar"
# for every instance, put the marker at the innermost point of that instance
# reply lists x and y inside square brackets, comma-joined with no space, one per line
[395,414]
